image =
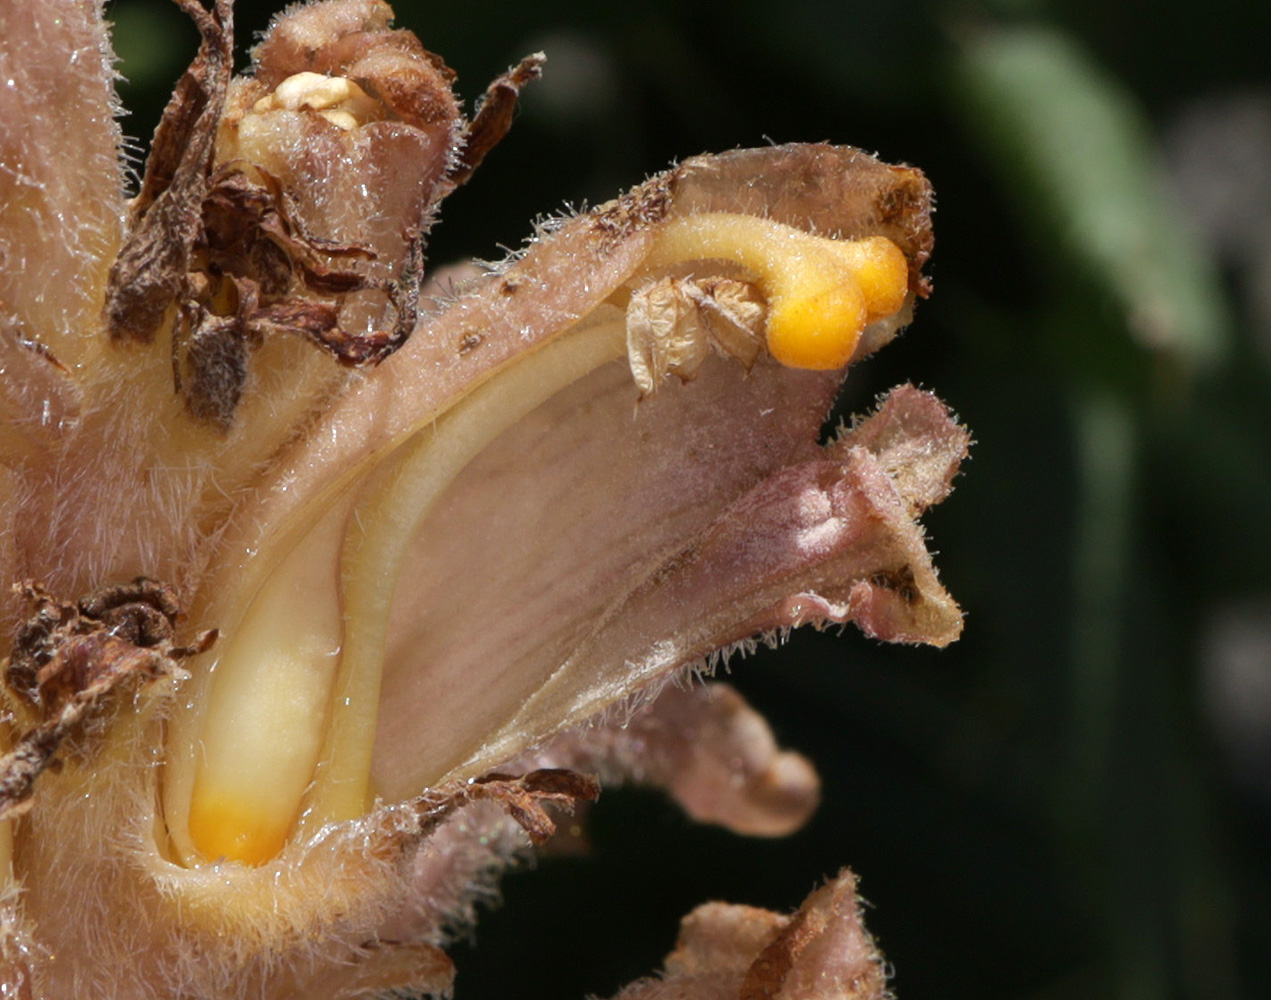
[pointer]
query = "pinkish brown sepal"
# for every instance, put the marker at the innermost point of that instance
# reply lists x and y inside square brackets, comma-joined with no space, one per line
[820,952]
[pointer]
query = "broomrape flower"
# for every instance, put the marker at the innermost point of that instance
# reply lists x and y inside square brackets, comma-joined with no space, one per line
[326,582]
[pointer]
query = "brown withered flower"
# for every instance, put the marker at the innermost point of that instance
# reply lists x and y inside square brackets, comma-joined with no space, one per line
[328,584]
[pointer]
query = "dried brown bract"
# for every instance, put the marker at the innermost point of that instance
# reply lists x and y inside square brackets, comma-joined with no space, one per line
[164,222]
[454,556]
[523,797]
[67,658]
[216,236]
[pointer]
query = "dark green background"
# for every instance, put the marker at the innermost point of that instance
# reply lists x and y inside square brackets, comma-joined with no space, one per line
[1044,810]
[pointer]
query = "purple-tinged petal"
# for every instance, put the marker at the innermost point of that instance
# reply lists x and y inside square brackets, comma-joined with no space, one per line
[712,752]
[606,576]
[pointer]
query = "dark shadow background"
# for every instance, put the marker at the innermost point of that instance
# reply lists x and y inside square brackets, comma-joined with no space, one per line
[1075,800]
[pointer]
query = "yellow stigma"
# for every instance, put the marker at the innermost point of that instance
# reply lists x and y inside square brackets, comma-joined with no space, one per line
[821,293]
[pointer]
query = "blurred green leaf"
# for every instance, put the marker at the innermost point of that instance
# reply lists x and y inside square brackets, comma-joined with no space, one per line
[145,37]
[1077,152]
